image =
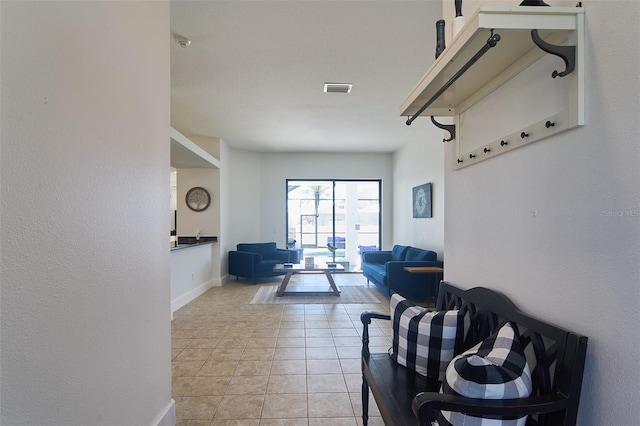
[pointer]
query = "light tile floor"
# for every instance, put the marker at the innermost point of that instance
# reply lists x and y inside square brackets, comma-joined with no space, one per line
[239,364]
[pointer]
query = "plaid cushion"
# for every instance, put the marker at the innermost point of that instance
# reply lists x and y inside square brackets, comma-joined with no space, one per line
[494,369]
[423,340]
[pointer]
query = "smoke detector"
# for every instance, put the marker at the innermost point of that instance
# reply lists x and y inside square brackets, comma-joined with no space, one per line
[337,87]
[183,42]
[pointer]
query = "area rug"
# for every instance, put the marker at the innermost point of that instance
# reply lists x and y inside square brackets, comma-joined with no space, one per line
[348,294]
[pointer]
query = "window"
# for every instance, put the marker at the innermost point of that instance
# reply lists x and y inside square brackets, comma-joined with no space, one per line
[342,213]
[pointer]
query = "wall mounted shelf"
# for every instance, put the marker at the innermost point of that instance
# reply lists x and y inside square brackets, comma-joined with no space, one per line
[515,52]
[527,34]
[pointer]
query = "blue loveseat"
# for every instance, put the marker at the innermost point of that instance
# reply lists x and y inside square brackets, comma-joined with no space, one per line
[386,270]
[256,260]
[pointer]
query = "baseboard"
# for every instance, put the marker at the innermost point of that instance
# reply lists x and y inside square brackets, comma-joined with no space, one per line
[190,295]
[168,418]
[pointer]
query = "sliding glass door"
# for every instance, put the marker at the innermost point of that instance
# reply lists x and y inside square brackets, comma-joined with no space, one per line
[341,215]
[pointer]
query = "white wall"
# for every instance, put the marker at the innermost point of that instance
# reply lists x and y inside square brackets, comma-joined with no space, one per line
[242,209]
[245,197]
[276,168]
[226,221]
[414,164]
[84,260]
[576,263]
[194,270]
[418,161]
[208,221]
[257,189]
[192,273]
[190,222]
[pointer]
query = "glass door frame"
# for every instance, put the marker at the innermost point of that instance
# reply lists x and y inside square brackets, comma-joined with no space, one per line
[332,184]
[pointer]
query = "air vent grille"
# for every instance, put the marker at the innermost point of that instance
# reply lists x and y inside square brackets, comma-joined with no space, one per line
[337,87]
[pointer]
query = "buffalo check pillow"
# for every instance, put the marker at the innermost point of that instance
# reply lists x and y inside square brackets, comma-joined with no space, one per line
[496,368]
[424,340]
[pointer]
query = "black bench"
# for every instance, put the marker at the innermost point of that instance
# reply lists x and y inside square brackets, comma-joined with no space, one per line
[556,358]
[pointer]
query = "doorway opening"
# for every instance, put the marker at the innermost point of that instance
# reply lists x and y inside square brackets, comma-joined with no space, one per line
[334,220]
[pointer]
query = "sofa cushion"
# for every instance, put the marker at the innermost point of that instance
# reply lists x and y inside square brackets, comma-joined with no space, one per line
[496,368]
[376,272]
[266,250]
[419,255]
[424,340]
[398,252]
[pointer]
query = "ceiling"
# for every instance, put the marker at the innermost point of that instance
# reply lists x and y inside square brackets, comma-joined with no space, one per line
[254,72]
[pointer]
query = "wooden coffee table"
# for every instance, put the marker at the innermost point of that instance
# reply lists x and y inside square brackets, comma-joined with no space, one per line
[299,268]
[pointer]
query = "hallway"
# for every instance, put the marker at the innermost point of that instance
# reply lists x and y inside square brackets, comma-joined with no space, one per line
[234,363]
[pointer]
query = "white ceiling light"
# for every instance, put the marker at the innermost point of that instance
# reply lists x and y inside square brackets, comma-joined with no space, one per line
[337,87]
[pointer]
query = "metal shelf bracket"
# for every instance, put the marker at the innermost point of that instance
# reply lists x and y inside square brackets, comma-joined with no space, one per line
[566,53]
[451,128]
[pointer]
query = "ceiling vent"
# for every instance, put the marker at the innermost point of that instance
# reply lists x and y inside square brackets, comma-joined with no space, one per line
[337,87]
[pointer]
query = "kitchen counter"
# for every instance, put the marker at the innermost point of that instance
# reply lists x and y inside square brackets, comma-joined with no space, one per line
[185,242]
[183,246]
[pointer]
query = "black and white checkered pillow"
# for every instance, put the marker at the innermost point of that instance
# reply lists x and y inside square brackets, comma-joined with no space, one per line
[423,340]
[494,369]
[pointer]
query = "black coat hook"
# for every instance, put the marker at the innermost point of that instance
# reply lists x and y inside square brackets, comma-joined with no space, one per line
[504,143]
[451,128]
[524,135]
[566,53]
[486,150]
[549,124]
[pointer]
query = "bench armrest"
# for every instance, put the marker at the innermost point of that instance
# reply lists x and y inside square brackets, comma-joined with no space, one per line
[366,318]
[426,405]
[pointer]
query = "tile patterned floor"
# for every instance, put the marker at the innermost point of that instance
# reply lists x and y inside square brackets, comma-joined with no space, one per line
[271,365]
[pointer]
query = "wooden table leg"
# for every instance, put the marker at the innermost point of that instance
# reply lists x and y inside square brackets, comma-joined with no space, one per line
[336,290]
[285,282]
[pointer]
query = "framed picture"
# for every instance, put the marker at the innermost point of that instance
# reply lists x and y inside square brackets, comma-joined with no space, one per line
[422,200]
[198,199]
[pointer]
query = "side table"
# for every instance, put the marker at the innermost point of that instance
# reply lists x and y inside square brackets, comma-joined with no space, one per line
[427,270]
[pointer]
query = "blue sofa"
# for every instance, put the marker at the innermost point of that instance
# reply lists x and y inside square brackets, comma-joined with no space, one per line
[256,260]
[386,270]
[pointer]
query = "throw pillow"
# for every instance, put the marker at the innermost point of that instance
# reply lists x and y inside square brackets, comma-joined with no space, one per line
[496,368]
[423,340]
